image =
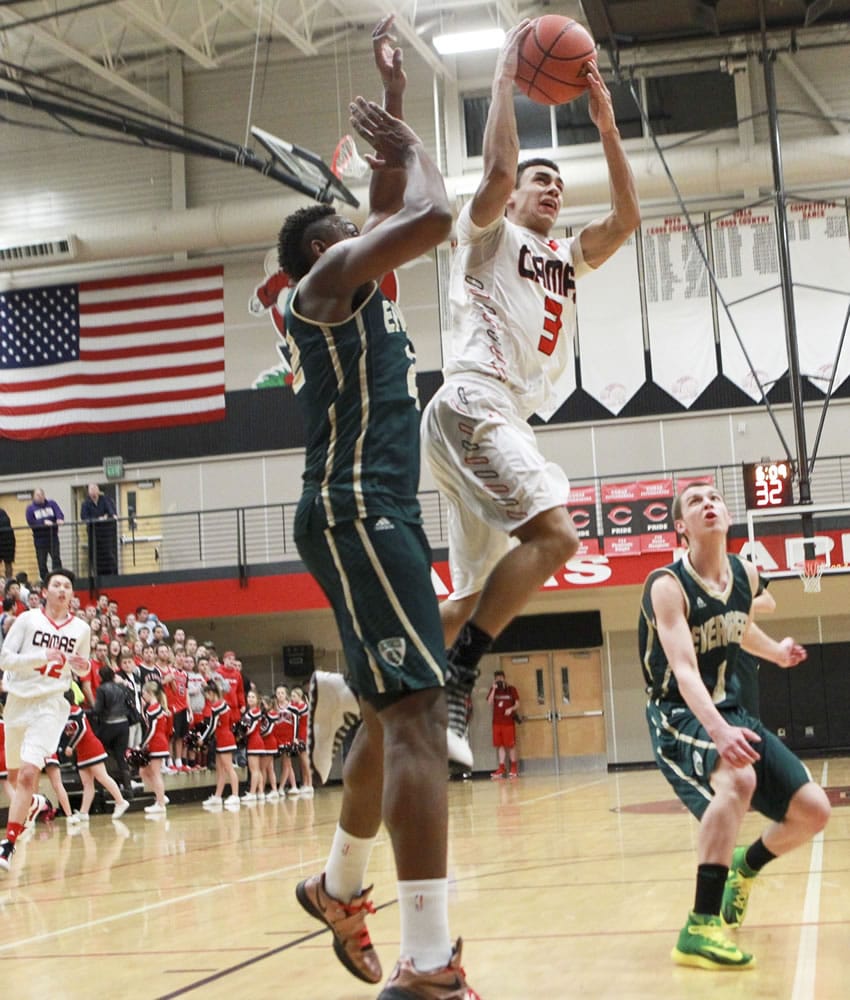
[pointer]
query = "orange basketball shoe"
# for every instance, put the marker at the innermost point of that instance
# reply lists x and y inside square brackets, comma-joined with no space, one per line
[408,983]
[352,944]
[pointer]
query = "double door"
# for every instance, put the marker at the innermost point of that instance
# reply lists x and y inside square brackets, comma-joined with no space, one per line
[139,527]
[561,706]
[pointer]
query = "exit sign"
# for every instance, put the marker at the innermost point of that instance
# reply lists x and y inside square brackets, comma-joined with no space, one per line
[113,468]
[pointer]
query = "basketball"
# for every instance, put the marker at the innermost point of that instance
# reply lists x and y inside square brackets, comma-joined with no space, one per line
[551,59]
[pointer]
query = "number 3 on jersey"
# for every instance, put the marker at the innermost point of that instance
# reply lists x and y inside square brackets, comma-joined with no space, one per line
[552,325]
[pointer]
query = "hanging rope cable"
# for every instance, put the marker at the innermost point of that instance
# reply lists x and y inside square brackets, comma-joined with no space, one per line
[701,250]
[254,72]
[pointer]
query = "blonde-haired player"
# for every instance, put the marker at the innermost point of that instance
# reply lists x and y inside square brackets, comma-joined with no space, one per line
[43,649]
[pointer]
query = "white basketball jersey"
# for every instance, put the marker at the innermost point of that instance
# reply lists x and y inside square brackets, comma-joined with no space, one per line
[513,300]
[24,654]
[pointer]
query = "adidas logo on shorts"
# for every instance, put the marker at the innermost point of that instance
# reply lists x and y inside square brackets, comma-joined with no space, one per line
[384,524]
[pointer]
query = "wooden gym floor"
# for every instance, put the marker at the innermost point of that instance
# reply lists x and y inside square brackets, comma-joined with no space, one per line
[561,887]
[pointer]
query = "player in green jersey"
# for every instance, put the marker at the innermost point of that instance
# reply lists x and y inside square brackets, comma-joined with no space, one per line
[695,616]
[358,531]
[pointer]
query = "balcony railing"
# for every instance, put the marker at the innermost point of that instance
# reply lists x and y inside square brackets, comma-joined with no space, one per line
[242,539]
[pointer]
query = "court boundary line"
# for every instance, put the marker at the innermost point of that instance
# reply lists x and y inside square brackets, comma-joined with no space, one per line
[136,911]
[807,955]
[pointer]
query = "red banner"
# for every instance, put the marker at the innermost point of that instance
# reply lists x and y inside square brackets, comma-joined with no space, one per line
[637,517]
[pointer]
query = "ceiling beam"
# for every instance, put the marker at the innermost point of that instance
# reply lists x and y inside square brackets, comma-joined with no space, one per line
[245,11]
[156,27]
[51,41]
[814,95]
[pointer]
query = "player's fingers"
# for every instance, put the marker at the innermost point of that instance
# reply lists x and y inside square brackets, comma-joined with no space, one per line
[382,28]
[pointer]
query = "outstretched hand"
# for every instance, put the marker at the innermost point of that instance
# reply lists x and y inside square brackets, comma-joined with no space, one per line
[388,57]
[508,61]
[390,137]
[600,106]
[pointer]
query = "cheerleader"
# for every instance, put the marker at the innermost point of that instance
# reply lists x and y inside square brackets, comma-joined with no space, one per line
[53,769]
[267,731]
[155,721]
[299,708]
[218,729]
[255,747]
[90,758]
[285,734]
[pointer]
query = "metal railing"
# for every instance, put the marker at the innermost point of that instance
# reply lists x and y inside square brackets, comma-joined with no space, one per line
[242,539]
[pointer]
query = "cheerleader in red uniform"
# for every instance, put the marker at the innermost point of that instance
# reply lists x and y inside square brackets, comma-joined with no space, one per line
[53,769]
[299,708]
[218,729]
[256,748]
[155,719]
[267,731]
[90,758]
[285,733]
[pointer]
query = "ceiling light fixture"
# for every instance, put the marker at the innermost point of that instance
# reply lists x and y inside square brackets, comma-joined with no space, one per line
[469,41]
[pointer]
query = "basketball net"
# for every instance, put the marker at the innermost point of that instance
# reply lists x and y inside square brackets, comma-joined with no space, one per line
[347,164]
[811,573]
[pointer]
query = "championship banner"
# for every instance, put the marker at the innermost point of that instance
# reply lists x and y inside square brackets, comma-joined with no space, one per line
[637,517]
[620,519]
[582,510]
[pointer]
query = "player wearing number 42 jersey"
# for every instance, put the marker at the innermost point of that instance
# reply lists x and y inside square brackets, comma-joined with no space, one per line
[41,652]
[513,297]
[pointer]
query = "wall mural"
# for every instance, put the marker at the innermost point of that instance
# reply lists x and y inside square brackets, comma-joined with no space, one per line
[264,301]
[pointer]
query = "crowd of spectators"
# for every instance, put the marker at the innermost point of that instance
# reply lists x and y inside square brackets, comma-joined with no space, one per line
[148,701]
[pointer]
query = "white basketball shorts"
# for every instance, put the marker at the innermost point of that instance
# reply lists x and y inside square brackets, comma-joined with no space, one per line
[485,461]
[33,728]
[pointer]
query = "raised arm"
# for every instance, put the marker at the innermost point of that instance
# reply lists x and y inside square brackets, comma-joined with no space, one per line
[423,221]
[734,744]
[501,141]
[603,237]
[386,187]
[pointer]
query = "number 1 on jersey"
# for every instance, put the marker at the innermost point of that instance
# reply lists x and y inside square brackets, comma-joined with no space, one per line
[552,325]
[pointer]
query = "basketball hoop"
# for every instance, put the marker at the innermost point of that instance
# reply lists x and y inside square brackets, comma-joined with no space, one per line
[811,573]
[347,163]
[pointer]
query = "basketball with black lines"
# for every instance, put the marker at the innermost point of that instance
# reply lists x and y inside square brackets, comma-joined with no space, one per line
[552,60]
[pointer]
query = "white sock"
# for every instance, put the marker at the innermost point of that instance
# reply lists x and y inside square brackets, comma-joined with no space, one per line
[347,864]
[424,909]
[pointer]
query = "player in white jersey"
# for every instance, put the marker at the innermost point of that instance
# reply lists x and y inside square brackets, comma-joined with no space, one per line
[514,305]
[42,651]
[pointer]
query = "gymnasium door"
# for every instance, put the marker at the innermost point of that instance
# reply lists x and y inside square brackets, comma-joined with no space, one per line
[139,524]
[561,706]
[140,539]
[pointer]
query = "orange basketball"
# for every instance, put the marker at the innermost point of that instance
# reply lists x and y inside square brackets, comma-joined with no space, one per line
[551,59]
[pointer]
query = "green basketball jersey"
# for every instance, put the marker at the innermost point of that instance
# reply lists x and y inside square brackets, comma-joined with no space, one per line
[356,384]
[717,622]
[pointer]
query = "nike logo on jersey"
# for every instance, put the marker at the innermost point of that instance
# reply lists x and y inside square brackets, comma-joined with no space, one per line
[556,276]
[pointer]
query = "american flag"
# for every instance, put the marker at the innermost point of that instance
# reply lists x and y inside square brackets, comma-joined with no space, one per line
[121,354]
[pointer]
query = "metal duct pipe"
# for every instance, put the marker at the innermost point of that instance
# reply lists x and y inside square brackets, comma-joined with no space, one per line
[701,171]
